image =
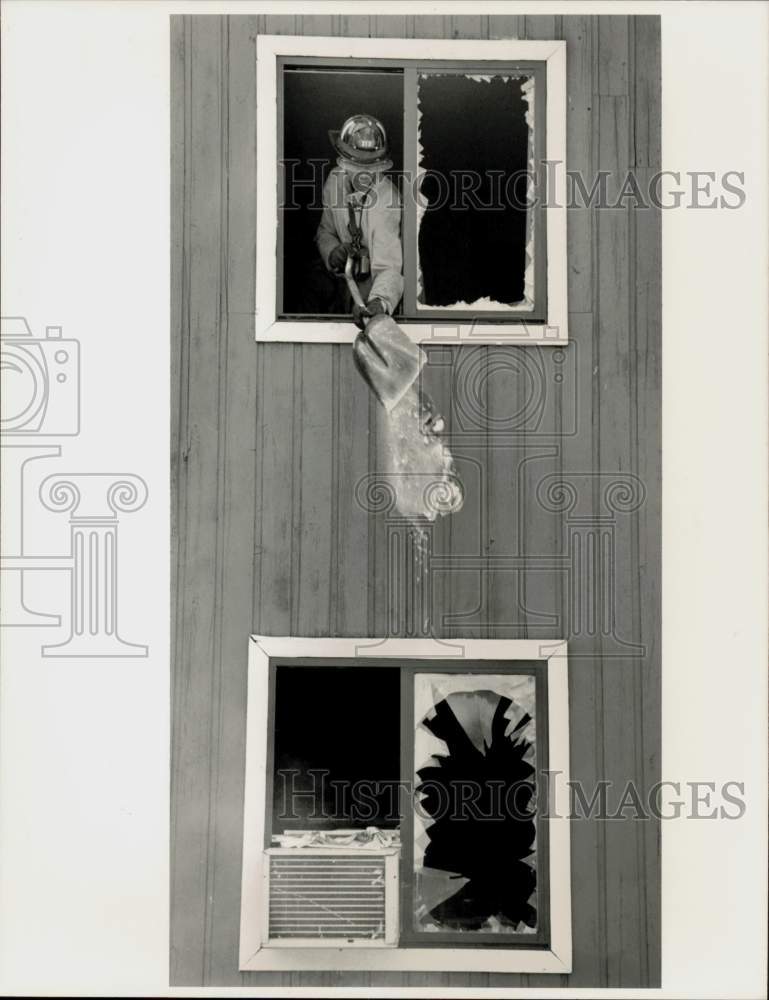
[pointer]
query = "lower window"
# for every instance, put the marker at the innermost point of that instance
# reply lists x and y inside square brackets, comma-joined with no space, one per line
[399,809]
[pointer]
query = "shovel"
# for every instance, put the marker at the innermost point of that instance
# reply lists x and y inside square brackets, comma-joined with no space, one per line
[388,360]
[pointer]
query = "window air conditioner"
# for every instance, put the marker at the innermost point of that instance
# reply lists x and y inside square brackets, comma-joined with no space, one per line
[331,897]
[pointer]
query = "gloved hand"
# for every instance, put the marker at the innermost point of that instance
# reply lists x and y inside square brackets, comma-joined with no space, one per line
[373,308]
[338,257]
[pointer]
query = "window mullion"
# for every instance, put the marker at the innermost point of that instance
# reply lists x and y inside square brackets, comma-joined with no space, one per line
[410,166]
[407,801]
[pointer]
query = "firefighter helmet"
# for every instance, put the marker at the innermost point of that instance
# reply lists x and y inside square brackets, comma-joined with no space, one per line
[362,143]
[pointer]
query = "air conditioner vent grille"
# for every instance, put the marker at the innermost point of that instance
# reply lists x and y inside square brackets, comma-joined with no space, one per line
[317,896]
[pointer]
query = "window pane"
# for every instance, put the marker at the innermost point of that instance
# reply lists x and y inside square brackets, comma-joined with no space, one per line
[337,748]
[475,843]
[317,100]
[476,148]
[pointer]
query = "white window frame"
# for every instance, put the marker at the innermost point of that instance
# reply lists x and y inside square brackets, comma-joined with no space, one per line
[255,956]
[554,329]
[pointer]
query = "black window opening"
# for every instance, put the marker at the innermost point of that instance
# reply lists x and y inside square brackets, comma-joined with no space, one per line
[445,762]
[336,748]
[316,100]
[473,238]
[467,143]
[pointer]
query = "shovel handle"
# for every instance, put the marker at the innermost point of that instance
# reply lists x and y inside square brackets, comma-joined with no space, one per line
[352,285]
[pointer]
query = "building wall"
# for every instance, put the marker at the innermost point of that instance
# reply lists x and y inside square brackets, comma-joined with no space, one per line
[270,440]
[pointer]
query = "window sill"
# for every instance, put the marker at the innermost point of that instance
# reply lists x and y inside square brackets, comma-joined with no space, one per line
[386,958]
[435,332]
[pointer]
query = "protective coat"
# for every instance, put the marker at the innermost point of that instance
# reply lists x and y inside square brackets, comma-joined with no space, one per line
[380,222]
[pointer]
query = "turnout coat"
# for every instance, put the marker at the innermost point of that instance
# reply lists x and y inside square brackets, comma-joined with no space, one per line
[378,213]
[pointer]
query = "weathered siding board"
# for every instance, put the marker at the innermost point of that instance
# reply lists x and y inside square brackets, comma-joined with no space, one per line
[542,26]
[428,26]
[465,586]
[357,25]
[237,480]
[507,26]
[351,399]
[197,687]
[578,33]
[394,26]
[648,359]
[181,966]
[314,518]
[270,440]
[613,55]
[585,702]
[647,256]
[624,924]
[438,379]
[646,55]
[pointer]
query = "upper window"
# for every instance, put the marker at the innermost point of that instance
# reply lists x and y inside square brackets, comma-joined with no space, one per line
[455,225]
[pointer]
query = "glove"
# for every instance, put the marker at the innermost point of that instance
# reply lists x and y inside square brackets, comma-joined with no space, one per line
[373,308]
[338,257]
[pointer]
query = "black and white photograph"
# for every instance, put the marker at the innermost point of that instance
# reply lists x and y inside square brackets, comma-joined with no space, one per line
[451,532]
[385,405]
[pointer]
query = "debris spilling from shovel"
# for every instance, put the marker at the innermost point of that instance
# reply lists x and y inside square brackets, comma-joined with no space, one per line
[419,466]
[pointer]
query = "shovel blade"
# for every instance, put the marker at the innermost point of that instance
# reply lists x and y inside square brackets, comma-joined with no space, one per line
[388,359]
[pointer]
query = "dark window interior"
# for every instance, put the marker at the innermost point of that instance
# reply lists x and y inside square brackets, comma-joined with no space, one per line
[346,721]
[478,251]
[314,101]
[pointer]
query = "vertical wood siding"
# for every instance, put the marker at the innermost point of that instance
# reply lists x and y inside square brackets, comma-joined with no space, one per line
[270,440]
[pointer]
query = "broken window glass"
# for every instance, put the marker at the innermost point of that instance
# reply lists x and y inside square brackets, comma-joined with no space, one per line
[475,830]
[475,226]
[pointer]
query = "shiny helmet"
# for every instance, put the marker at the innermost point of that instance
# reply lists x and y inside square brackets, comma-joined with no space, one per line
[361,144]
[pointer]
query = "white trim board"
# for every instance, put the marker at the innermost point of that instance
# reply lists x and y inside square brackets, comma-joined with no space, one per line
[254,956]
[554,330]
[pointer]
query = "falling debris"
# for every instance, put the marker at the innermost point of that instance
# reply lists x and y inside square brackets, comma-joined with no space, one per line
[419,465]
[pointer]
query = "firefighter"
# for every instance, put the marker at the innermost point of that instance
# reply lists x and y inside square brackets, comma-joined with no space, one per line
[361,218]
